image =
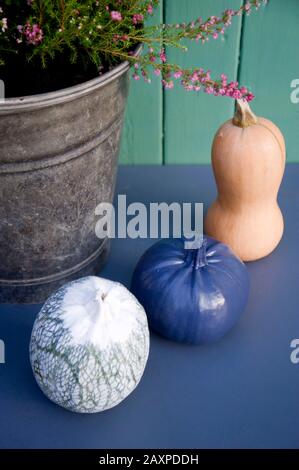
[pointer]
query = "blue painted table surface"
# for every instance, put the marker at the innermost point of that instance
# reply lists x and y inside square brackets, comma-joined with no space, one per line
[242,392]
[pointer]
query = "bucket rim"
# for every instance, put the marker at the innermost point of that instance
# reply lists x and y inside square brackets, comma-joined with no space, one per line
[63,95]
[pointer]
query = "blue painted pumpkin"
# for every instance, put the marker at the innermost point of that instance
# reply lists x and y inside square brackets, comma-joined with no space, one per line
[191,295]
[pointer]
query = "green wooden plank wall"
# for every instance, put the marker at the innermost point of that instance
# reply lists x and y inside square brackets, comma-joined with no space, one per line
[142,140]
[191,118]
[262,51]
[270,63]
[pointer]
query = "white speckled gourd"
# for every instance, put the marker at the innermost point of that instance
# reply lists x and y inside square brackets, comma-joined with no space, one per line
[89,345]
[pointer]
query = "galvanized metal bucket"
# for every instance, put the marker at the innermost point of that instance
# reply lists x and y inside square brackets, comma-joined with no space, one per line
[58,161]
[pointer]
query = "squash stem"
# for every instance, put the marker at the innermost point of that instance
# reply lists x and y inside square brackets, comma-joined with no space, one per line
[244,117]
[200,256]
[197,255]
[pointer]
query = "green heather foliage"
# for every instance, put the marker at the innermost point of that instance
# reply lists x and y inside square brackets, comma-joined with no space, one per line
[84,38]
[72,28]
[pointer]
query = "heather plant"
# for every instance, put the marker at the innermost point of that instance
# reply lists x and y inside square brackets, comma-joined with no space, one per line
[58,39]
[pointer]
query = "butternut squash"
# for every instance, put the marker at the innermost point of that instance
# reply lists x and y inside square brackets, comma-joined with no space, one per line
[248,158]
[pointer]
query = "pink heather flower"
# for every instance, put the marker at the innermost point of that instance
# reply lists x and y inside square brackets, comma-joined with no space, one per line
[250,97]
[118,37]
[237,94]
[188,87]
[168,84]
[33,33]
[233,85]
[229,12]
[243,90]
[136,77]
[209,90]
[178,74]
[150,9]
[115,15]
[137,18]
[163,56]
[157,72]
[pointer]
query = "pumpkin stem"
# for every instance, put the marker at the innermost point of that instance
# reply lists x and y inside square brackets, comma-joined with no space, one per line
[201,255]
[243,117]
[197,256]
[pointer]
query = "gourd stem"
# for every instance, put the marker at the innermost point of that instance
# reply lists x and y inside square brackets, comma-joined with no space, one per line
[198,256]
[244,117]
[201,255]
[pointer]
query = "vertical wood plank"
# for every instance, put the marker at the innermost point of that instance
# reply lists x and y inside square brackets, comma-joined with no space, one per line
[143,134]
[190,118]
[270,62]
